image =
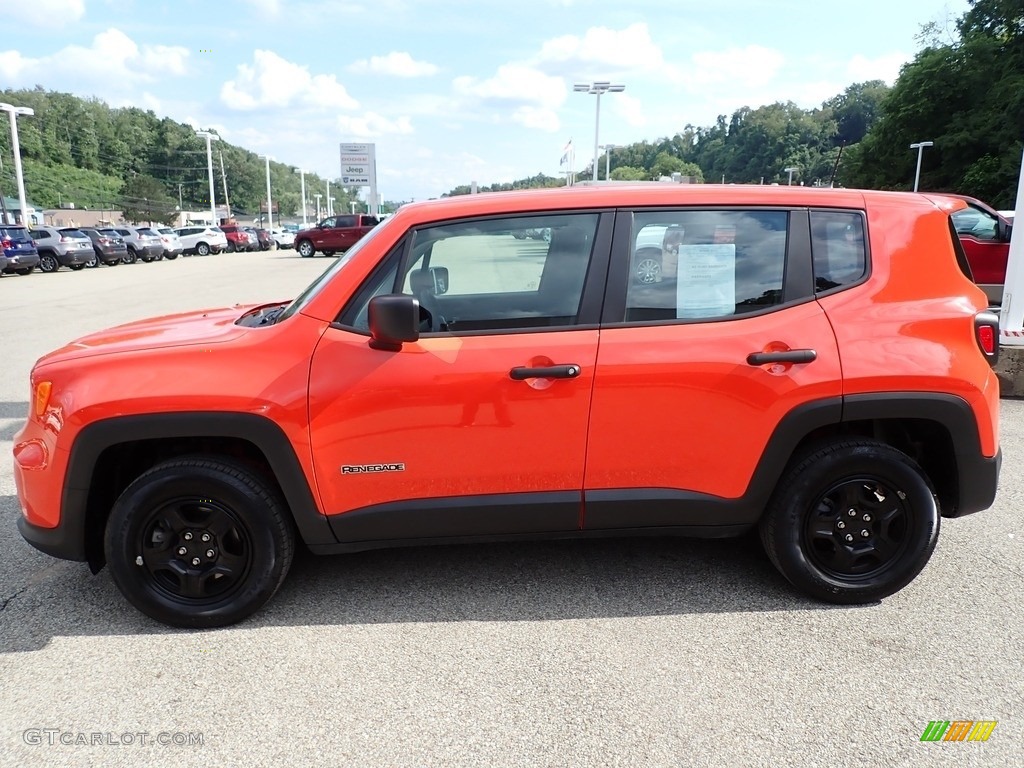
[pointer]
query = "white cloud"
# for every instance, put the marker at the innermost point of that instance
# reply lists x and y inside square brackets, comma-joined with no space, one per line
[397,64]
[629,109]
[537,117]
[887,68]
[272,81]
[267,7]
[371,124]
[754,66]
[112,57]
[42,13]
[629,49]
[534,96]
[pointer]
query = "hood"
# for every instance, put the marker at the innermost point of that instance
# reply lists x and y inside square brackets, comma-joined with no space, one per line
[211,326]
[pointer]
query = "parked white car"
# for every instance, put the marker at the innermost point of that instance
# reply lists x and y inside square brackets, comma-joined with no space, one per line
[202,240]
[283,238]
[173,246]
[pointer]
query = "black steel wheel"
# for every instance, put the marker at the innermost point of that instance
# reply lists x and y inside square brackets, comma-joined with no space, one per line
[199,542]
[852,522]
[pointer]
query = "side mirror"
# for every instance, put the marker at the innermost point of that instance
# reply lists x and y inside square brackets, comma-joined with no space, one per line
[394,320]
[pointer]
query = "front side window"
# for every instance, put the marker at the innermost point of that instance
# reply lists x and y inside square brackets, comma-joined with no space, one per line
[523,272]
[976,223]
[327,223]
[705,264]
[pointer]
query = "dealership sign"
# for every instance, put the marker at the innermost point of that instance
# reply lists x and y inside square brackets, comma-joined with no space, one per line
[358,165]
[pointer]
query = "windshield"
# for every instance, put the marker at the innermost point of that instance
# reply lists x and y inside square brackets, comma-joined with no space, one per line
[315,287]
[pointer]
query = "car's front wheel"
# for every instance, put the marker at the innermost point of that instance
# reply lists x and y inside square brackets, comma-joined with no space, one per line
[852,522]
[305,249]
[199,542]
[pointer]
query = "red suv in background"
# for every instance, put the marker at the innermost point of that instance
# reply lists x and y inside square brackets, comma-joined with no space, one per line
[337,233]
[238,238]
[985,235]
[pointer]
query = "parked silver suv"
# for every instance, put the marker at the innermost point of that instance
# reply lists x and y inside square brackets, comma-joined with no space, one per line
[61,247]
[143,243]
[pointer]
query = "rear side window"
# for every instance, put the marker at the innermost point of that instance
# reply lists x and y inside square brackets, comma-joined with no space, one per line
[838,245]
[37,234]
[705,264]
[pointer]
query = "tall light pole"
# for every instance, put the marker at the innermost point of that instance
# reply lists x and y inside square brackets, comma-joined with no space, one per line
[597,88]
[330,206]
[919,146]
[790,171]
[209,164]
[14,111]
[329,198]
[317,207]
[270,205]
[352,203]
[302,180]
[608,158]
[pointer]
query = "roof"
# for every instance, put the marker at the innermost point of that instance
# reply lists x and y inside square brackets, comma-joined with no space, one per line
[13,204]
[650,195]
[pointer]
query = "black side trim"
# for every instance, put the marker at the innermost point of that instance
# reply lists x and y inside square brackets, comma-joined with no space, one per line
[67,540]
[977,474]
[491,515]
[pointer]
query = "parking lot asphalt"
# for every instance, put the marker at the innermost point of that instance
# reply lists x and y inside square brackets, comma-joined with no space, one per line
[642,652]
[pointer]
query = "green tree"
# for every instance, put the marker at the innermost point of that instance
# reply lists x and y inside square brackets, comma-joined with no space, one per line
[145,199]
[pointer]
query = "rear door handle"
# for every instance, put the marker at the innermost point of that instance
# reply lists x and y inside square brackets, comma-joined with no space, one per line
[570,371]
[789,356]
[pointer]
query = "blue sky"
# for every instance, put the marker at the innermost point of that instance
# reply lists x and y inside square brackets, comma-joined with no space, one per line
[453,91]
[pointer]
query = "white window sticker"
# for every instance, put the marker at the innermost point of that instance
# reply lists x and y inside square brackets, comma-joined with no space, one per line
[706,286]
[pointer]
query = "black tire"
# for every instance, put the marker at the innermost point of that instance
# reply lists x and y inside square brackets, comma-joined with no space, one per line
[856,488]
[113,262]
[170,256]
[305,249]
[328,253]
[48,262]
[131,256]
[93,262]
[231,246]
[203,249]
[170,509]
[26,271]
[146,259]
[76,267]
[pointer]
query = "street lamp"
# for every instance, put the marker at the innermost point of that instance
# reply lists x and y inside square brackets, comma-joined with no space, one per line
[608,158]
[329,198]
[597,88]
[330,206]
[919,146]
[302,179]
[318,207]
[353,204]
[270,206]
[14,111]
[790,171]
[209,164]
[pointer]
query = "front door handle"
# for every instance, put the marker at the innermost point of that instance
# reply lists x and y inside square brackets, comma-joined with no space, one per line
[789,356]
[570,371]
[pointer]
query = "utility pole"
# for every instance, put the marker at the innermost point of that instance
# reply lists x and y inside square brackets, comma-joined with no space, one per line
[3,200]
[224,178]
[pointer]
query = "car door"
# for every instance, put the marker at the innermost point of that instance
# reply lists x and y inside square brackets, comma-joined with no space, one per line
[345,234]
[478,428]
[322,234]
[709,339]
[986,246]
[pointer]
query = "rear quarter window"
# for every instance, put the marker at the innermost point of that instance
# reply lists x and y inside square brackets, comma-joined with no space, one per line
[838,244]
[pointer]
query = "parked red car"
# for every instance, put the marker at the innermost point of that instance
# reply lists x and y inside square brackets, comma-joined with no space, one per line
[985,235]
[334,234]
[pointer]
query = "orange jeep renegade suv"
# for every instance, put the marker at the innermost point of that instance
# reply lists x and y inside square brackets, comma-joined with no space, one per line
[814,362]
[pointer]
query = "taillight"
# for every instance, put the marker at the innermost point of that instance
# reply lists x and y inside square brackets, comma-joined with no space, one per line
[6,242]
[986,333]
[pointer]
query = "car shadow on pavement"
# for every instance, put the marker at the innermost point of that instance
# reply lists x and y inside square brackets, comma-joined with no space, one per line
[537,581]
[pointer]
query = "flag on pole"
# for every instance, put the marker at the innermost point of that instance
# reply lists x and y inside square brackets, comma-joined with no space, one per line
[566,153]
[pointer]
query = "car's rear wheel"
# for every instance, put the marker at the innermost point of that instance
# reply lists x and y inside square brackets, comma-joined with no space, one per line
[76,267]
[199,542]
[48,262]
[25,271]
[203,249]
[231,246]
[852,522]
[93,262]
[170,256]
[131,256]
[305,249]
